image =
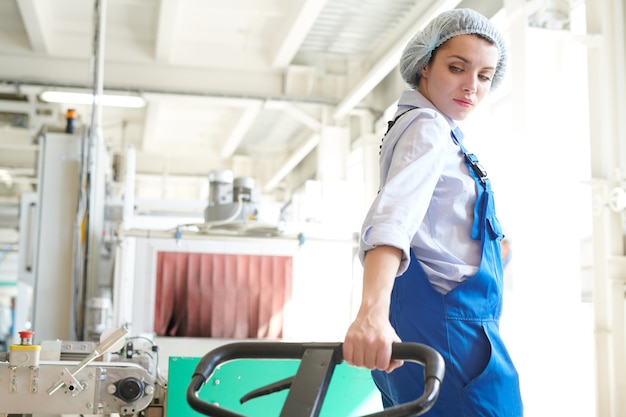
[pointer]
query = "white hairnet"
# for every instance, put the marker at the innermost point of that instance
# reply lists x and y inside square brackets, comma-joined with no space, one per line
[447,25]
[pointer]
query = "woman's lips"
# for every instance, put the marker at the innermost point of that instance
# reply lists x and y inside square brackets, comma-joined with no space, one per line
[464,102]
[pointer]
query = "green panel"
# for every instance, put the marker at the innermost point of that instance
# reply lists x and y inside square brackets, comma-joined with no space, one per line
[351,391]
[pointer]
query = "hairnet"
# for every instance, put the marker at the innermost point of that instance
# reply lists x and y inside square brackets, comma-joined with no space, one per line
[447,25]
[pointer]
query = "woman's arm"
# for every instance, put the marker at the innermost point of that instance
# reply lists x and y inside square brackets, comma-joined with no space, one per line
[369,338]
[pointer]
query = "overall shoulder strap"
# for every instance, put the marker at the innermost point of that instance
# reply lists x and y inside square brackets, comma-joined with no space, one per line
[470,158]
[393,122]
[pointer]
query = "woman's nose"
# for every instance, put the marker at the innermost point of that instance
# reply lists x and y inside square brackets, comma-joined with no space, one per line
[470,84]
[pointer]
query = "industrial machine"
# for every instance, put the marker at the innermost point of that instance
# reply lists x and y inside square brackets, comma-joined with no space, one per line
[235,204]
[70,377]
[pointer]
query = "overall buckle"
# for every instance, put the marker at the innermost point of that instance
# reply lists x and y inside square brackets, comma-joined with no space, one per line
[479,170]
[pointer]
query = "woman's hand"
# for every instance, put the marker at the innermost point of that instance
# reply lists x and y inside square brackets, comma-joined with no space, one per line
[368,341]
[369,338]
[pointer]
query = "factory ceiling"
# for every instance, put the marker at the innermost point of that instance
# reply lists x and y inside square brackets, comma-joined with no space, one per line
[242,84]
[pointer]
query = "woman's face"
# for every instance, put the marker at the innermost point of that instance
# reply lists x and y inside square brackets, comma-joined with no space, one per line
[459,75]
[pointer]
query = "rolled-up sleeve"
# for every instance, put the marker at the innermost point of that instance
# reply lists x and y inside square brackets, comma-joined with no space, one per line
[411,163]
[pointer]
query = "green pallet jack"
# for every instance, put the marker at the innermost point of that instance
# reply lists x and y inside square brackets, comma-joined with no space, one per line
[307,388]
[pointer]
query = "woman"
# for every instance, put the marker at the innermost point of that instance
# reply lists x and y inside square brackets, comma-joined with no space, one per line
[430,243]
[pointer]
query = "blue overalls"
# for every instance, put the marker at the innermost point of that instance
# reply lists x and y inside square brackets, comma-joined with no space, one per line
[480,379]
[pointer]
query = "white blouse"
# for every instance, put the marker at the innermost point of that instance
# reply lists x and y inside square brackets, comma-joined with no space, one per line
[426,198]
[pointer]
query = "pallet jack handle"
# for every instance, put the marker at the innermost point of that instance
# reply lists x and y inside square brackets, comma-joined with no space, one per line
[308,386]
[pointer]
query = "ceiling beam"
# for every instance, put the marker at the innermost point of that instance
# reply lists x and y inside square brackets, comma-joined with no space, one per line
[297,114]
[390,57]
[165,30]
[304,150]
[290,39]
[35,15]
[156,77]
[246,120]
[292,161]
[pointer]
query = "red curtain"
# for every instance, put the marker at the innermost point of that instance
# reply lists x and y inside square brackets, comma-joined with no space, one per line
[221,295]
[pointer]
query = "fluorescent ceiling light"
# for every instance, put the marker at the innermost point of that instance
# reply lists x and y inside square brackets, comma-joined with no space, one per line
[87,98]
[6,177]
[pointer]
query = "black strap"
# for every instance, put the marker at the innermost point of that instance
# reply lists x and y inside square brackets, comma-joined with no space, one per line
[390,125]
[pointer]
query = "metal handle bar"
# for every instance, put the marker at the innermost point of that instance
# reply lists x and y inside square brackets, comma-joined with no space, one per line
[434,369]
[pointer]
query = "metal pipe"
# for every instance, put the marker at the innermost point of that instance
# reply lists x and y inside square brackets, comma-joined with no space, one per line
[91,196]
[98,84]
[152,90]
[606,81]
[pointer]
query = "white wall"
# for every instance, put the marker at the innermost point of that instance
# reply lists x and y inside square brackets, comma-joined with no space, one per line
[534,142]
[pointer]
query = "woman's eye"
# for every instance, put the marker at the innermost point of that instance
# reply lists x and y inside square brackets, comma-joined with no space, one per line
[485,77]
[454,68]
